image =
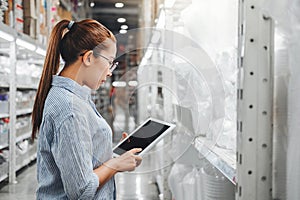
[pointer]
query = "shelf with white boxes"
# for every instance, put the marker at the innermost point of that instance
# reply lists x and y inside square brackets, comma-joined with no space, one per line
[224,160]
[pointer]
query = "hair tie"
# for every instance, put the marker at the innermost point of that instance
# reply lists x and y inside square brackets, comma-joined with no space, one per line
[70,25]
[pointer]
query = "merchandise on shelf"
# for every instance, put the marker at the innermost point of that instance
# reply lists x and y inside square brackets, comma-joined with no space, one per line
[25,99]
[19,16]
[29,8]
[30,24]
[4,104]
[23,126]
[25,153]
[4,129]
[4,70]
[7,17]
[28,74]
[30,18]
[3,8]
[175,180]
[42,35]
[215,185]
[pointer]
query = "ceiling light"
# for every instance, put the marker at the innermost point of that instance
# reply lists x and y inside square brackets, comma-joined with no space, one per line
[79,4]
[6,36]
[26,45]
[119,5]
[121,20]
[124,26]
[122,31]
[119,84]
[92,4]
[133,83]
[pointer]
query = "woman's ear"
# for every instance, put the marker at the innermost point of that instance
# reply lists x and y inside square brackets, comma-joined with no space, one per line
[86,59]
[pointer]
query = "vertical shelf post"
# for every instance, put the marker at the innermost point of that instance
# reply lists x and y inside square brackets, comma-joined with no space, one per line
[255,101]
[12,113]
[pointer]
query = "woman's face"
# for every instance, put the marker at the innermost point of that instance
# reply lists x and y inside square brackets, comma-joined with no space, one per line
[98,70]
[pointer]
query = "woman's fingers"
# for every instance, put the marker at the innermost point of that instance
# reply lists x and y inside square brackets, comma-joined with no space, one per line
[138,160]
[135,150]
[124,135]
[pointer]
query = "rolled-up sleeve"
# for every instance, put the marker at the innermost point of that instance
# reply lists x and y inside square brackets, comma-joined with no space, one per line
[72,152]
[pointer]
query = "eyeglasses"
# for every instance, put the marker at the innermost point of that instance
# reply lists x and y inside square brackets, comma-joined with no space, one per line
[112,65]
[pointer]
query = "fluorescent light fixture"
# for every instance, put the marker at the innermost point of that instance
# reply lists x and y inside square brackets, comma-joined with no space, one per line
[92,4]
[119,84]
[133,83]
[40,51]
[121,20]
[26,45]
[122,31]
[124,26]
[6,36]
[119,5]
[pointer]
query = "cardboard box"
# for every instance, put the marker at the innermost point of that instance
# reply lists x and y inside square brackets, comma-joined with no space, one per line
[29,7]
[64,14]
[30,26]
[8,14]
[19,24]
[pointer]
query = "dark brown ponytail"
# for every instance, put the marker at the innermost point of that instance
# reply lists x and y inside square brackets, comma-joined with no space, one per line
[84,35]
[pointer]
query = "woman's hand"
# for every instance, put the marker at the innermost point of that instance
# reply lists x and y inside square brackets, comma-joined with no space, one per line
[126,162]
[124,135]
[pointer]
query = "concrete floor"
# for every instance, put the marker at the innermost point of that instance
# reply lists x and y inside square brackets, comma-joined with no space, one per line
[24,189]
[141,187]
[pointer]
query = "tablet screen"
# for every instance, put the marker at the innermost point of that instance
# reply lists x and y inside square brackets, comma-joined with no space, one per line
[143,137]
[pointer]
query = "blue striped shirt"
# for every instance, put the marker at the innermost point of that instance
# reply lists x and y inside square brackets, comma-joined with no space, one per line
[73,140]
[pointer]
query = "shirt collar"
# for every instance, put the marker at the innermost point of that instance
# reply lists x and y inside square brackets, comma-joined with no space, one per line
[72,86]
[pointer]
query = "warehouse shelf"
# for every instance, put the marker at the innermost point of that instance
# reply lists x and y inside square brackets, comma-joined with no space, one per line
[3,177]
[27,87]
[3,146]
[19,112]
[18,139]
[24,42]
[26,161]
[3,171]
[223,159]
[4,115]
[4,85]
[24,111]
[23,137]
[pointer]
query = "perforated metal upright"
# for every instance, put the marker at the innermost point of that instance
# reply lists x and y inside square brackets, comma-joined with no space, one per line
[255,97]
[12,113]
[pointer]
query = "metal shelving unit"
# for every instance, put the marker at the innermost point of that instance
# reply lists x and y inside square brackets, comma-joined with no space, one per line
[249,168]
[3,146]
[4,115]
[26,48]
[24,111]
[23,137]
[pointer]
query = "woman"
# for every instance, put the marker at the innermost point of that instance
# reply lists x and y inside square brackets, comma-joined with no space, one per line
[74,157]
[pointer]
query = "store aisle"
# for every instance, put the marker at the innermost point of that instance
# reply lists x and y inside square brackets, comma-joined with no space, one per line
[24,189]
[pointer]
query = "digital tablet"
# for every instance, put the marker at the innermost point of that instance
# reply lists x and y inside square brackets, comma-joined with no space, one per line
[145,136]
